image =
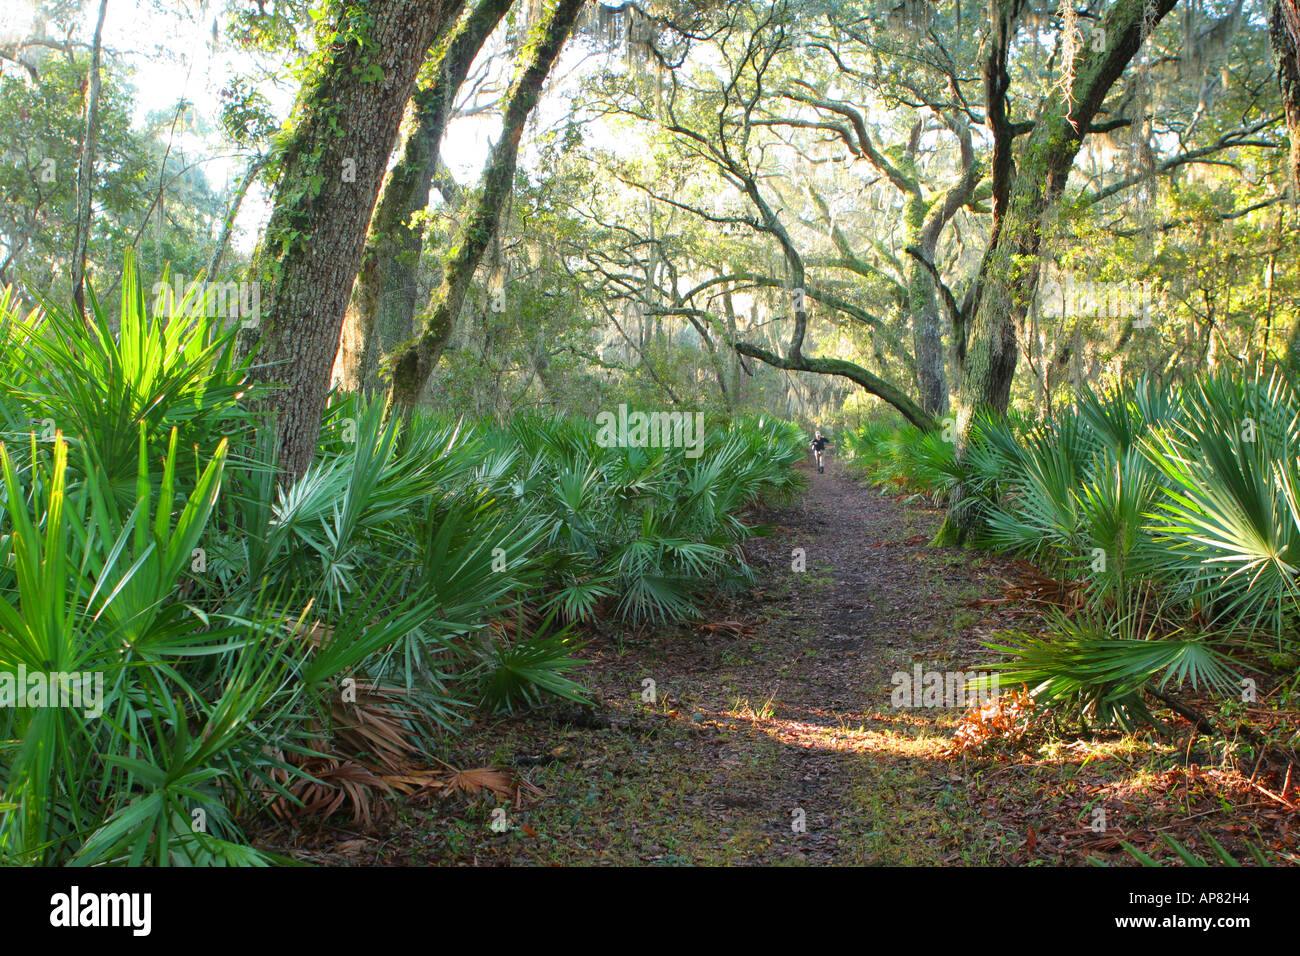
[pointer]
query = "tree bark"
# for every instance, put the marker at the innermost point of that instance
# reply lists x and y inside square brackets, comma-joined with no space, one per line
[1284,34]
[1023,192]
[877,386]
[382,306]
[927,337]
[86,169]
[331,168]
[415,361]
[925,225]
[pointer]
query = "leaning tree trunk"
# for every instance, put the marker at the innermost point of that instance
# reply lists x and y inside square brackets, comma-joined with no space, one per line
[1023,192]
[415,361]
[86,169]
[380,312]
[331,168]
[1284,33]
[255,167]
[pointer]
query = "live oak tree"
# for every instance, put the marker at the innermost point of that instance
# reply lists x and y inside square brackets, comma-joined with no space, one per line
[854,152]
[415,360]
[534,346]
[787,88]
[1183,231]
[1027,181]
[331,163]
[756,98]
[383,302]
[926,199]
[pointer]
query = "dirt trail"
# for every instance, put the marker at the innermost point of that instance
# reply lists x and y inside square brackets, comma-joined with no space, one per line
[770,738]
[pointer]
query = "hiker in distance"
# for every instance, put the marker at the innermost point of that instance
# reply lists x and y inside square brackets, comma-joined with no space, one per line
[818,445]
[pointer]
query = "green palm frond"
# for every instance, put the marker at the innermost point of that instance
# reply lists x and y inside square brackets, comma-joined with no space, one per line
[1080,669]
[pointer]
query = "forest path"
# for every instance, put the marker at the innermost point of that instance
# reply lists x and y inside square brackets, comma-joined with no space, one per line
[770,738]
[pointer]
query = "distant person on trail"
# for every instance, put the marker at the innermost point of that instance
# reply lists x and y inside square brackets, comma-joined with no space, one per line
[818,445]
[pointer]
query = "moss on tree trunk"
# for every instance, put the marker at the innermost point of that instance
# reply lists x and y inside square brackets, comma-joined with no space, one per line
[1284,35]
[381,311]
[332,161]
[415,361]
[1024,189]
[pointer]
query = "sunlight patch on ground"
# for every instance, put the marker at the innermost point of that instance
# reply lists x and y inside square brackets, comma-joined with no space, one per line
[841,737]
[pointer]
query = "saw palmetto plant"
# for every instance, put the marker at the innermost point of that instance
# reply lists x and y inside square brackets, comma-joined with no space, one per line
[1173,509]
[303,649]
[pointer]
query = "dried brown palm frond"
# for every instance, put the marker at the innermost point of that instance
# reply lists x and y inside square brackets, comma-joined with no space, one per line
[370,752]
[477,780]
[335,783]
[379,724]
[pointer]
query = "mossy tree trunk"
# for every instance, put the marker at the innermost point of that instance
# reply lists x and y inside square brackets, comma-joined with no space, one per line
[381,310]
[925,223]
[1025,187]
[927,338]
[86,167]
[331,165]
[415,361]
[1284,34]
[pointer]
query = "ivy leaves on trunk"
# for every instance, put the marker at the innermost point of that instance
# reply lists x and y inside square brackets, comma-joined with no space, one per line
[332,160]
[381,311]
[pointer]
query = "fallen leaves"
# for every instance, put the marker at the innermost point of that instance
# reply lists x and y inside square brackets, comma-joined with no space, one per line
[1005,717]
[727,628]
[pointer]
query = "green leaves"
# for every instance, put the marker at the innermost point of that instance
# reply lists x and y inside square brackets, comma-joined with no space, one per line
[646,530]
[1221,856]
[145,542]
[93,595]
[1169,508]
[1228,523]
[1079,668]
[520,673]
[173,367]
